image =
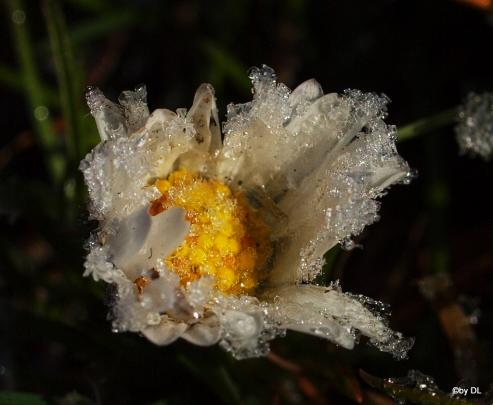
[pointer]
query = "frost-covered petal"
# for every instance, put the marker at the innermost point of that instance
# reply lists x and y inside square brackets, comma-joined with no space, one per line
[308,317]
[136,148]
[166,332]
[160,296]
[242,331]
[140,240]
[133,310]
[118,120]
[312,138]
[319,310]
[203,114]
[206,332]
[306,92]
[279,137]
[340,193]
[200,292]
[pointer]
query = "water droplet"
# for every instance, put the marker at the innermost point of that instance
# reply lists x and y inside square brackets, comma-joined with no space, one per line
[18,17]
[41,113]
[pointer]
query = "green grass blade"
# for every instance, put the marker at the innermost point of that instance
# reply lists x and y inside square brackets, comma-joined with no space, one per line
[69,78]
[102,25]
[98,27]
[13,80]
[34,94]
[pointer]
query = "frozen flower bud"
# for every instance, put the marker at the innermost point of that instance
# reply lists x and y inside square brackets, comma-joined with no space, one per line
[475,128]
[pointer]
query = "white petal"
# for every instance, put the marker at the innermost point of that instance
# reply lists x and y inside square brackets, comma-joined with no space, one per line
[340,192]
[307,91]
[165,333]
[241,326]
[204,116]
[280,137]
[118,120]
[135,110]
[117,172]
[326,306]
[206,332]
[199,292]
[252,131]
[296,310]
[161,295]
[108,116]
[204,121]
[140,240]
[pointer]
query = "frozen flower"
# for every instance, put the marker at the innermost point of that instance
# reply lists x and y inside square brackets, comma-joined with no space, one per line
[475,128]
[215,240]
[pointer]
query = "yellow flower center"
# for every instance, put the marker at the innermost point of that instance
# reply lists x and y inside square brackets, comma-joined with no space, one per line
[228,239]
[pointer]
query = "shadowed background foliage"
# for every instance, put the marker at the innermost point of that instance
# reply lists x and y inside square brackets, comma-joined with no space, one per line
[56,345]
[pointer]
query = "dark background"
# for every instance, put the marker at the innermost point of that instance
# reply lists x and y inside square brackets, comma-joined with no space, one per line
[55,341]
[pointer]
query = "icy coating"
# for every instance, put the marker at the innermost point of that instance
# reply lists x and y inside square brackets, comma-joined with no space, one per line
[312,165]
[475,128]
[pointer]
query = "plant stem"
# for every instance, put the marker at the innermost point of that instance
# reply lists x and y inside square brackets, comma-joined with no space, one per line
[428,124]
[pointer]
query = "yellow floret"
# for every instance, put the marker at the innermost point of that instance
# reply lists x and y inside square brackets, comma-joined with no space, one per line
[163,186]
[226,277]
[228,240]
[198,256]
[208,269]
[223,189]
[233,246]
[228,229]
[205,241]
[226,245]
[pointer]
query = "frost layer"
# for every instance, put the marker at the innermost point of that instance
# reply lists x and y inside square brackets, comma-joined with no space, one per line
[475,128]
[313,164]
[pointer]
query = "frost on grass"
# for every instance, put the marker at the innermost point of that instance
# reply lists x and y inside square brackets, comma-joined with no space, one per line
[475,128]
[311,166]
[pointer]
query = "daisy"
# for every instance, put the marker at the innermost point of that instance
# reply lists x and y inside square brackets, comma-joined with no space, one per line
[218,239]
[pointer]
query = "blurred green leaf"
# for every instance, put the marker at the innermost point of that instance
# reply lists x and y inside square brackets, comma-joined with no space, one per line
[20,398]
[223,64]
